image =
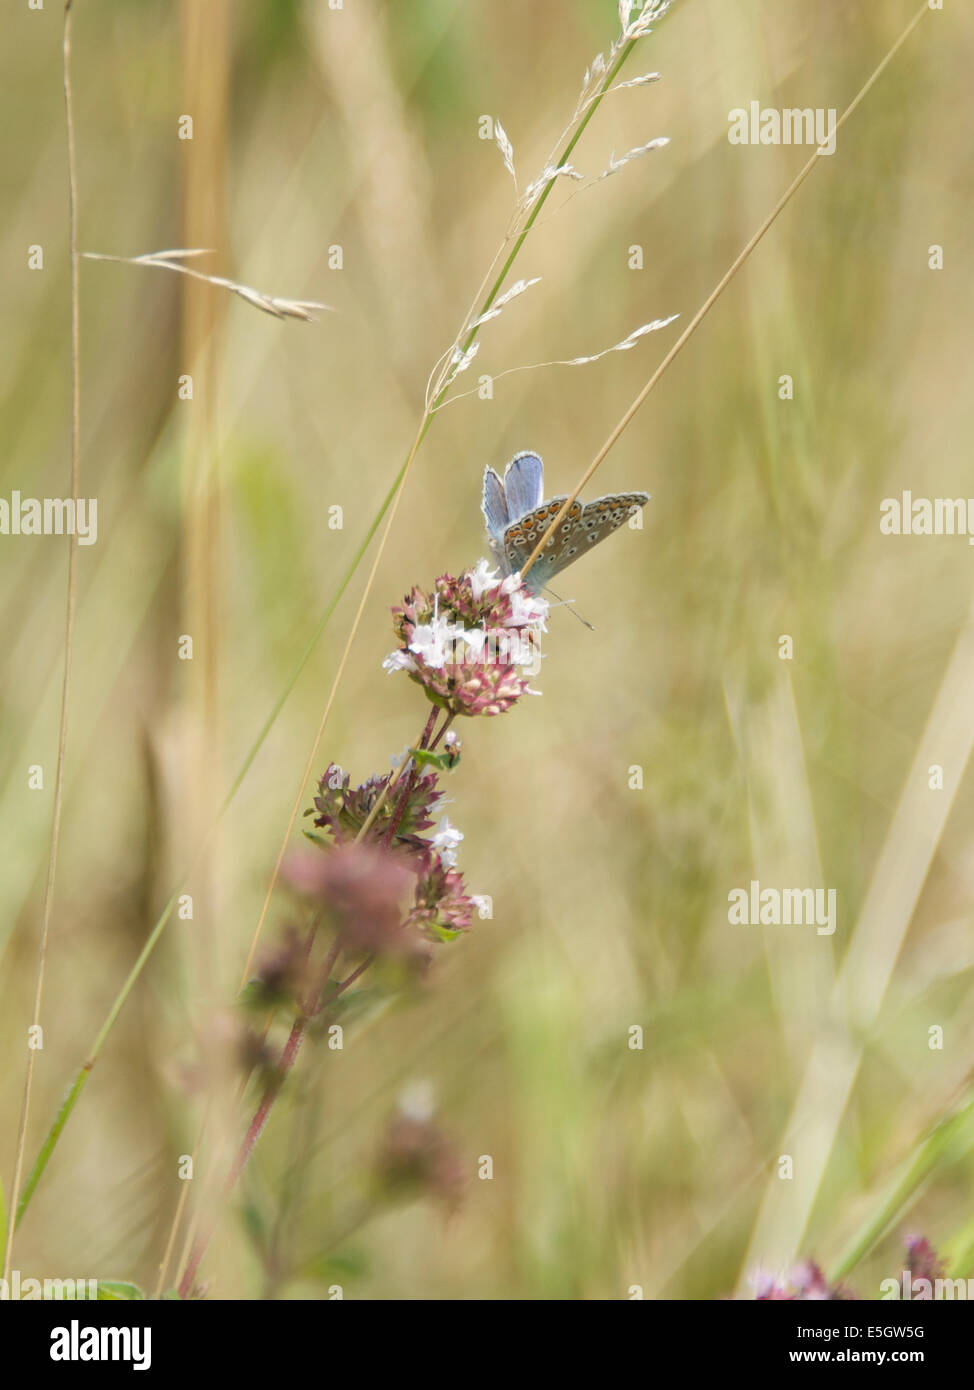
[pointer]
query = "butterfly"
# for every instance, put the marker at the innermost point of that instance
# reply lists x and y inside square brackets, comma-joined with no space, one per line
[517,518]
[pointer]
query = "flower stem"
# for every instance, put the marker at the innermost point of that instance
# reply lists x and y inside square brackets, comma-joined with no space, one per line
[284,1065]
[400,808]
[349,980]
[334,951]
[442,729]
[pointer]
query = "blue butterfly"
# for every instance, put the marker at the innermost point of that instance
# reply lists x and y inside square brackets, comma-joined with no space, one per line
[517,518]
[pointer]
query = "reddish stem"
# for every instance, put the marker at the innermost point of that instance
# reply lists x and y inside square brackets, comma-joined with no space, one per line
[284,1065]
[349,980]
[314,1001]
[442,730]
[400,810]
[291,1048]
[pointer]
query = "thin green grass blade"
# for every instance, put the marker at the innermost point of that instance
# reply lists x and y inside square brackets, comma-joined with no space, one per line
[950,1141]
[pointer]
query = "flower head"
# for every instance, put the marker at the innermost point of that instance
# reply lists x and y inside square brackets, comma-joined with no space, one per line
[446,841]
[465,644]
[442,907]
[416,1157]
[922,1260]
[482,578]
[394,889]
[344,810]
[281,973]
[362,886]
[804,1284]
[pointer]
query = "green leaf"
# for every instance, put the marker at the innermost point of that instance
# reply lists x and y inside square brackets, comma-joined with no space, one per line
[253,994]
[351,1003]
[423,757]
[117,1291]
[442,933]
[949,1142]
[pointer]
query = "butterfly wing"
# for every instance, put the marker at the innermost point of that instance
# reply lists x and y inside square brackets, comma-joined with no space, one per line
[523,484]
[603,516]
[580,531]
[523,535]
[494,506]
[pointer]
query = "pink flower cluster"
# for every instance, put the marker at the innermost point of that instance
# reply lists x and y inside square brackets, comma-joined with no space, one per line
[467,642]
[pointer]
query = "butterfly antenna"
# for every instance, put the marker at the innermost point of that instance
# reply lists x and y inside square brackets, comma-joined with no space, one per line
[567,602]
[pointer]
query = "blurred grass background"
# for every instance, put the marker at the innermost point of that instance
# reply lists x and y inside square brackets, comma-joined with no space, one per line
[358,128]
